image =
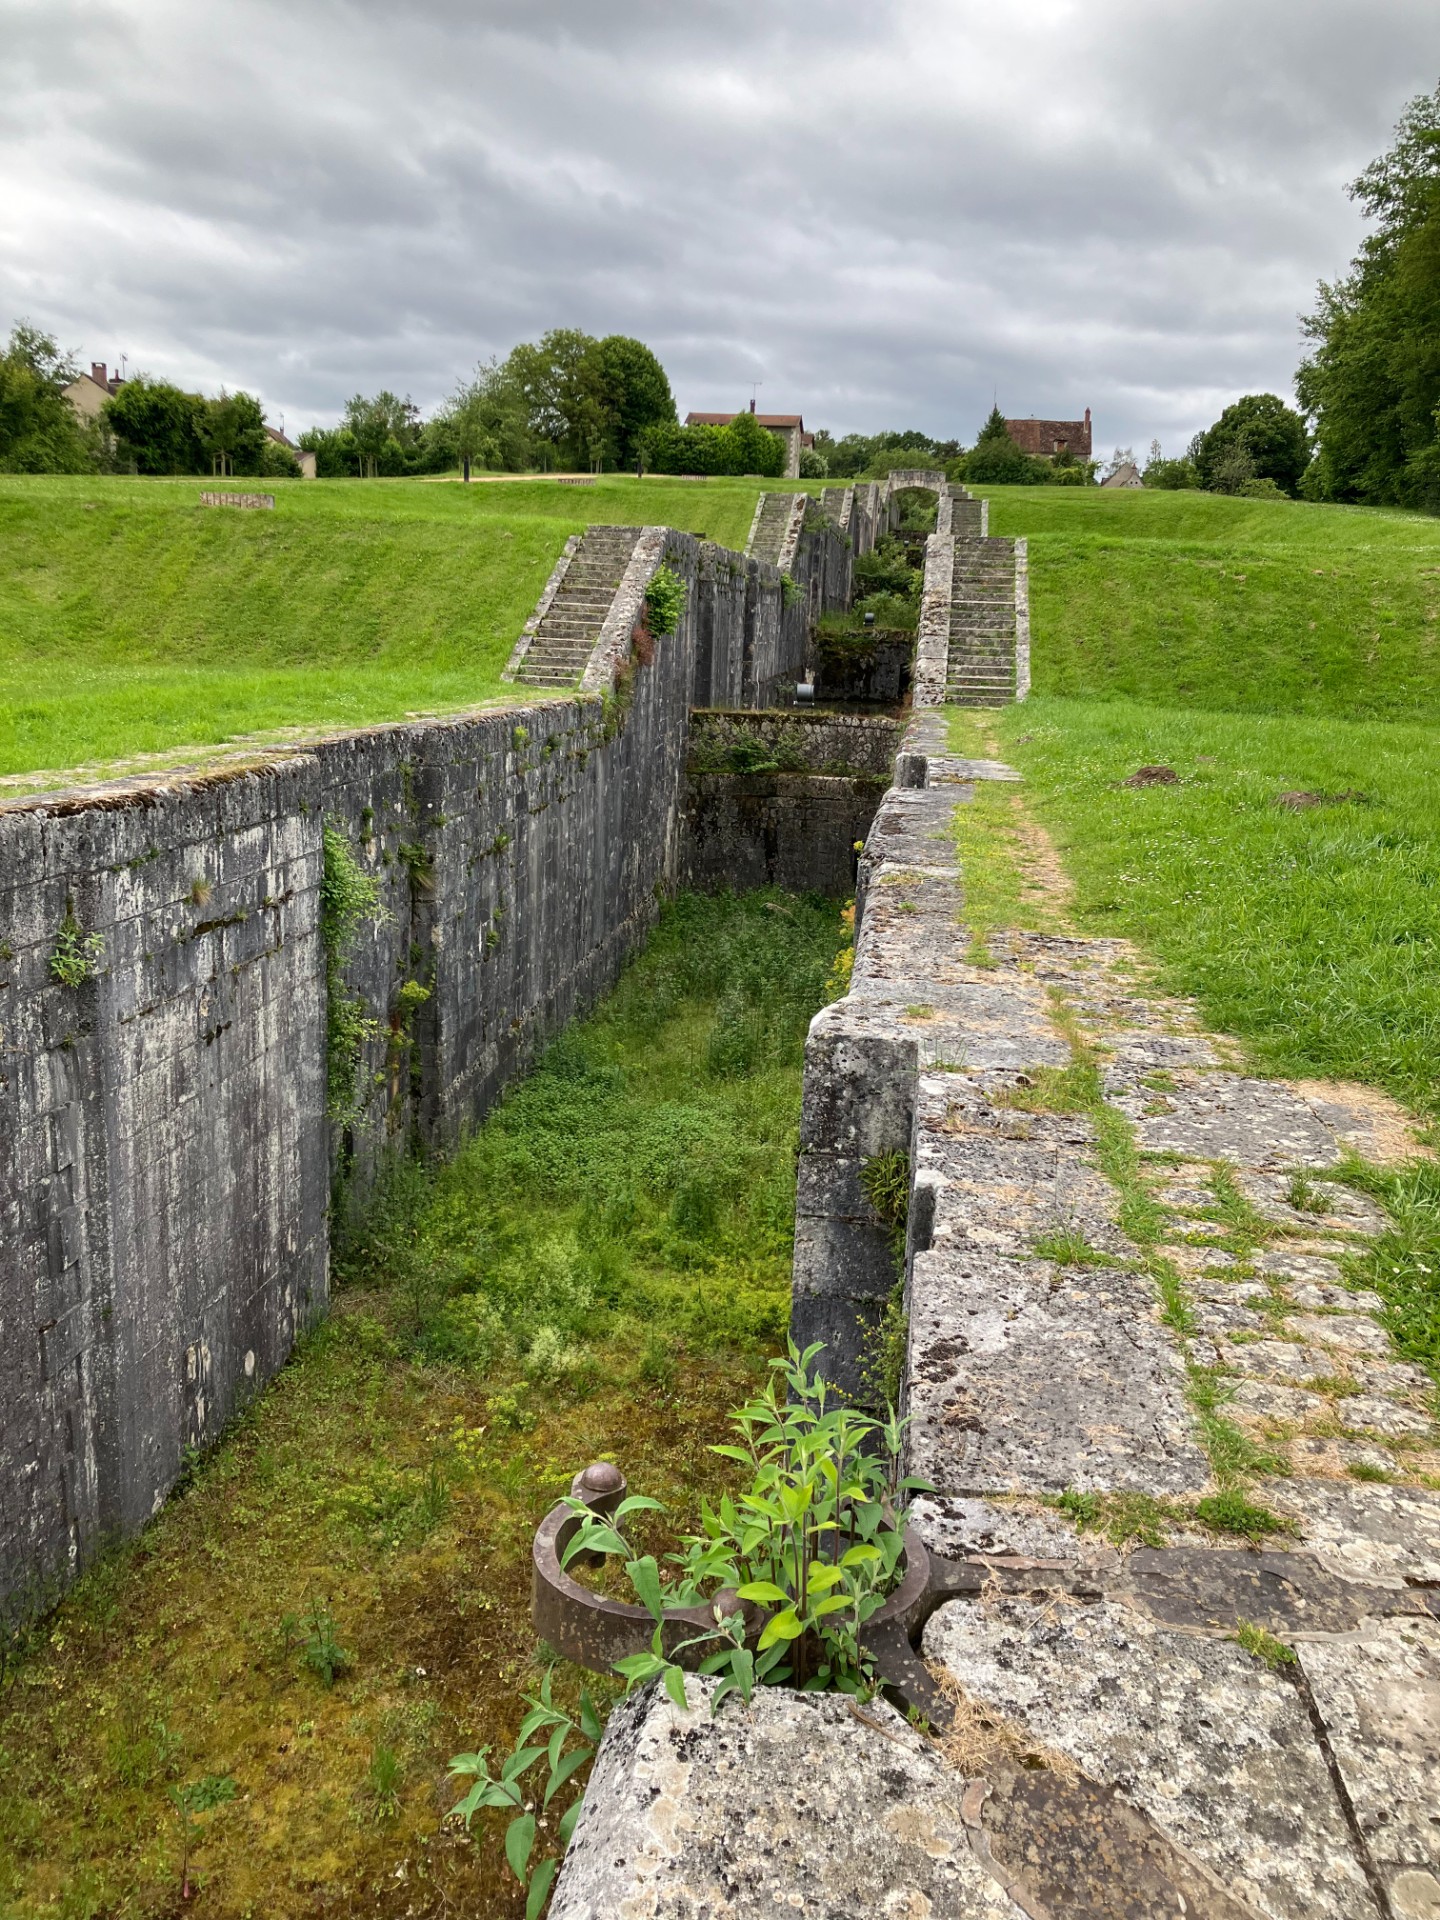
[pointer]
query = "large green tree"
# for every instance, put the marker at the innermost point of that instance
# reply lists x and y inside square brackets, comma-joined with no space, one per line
[558,376]
[385,431]
[486,421]
[1371,381]
[591,403]
[633,393]
[157,426]
[1256,438]
[39,432]
[231,431]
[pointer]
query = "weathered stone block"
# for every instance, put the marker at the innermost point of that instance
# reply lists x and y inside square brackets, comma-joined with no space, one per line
[801,1804]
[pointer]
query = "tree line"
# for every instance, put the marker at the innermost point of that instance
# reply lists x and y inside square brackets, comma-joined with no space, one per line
[1368,428]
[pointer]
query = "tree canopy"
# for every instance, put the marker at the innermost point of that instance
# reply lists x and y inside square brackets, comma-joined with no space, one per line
[1256,438]
[1371,380]
[157,427]
[39,432]
[995,460]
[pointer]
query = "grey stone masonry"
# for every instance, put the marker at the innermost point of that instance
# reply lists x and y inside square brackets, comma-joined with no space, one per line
[1192,1482]
[981,666]
[779,518]
[168,1166]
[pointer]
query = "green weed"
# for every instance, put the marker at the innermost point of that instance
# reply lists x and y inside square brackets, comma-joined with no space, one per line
[1069,1247]
[1231,1512]
[1264,1646]
[1126,1519]
[382,1781]
[77,954]
[313,1632]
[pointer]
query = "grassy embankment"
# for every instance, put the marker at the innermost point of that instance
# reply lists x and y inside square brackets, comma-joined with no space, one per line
[600,1272]
[133,620]
[1257,649]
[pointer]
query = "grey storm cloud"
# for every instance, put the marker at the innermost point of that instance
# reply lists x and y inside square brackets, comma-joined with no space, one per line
[887,213]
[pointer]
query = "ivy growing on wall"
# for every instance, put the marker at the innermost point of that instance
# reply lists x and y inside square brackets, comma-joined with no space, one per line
[348,895]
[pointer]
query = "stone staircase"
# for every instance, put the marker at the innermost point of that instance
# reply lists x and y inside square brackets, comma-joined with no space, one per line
[569,621]
[981,662]
[771,533]
[838,502]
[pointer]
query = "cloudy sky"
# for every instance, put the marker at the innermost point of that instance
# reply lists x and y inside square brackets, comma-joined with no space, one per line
[887,213]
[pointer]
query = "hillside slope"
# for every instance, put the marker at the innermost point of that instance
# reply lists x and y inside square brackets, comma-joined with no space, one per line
[1193,599]
[134,620]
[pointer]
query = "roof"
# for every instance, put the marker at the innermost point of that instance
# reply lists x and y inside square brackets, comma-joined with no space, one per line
[760,419]
[278,437]
[1126,476]
[1044,437]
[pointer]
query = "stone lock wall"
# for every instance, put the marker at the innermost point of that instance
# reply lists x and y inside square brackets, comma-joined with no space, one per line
[795,822]
[167,1163]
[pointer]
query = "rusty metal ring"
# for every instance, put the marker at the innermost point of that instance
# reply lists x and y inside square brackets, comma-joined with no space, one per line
[595,1632]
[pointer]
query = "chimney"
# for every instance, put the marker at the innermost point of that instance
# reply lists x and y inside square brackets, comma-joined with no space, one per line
[97,373]
[1087,416]
[752,403]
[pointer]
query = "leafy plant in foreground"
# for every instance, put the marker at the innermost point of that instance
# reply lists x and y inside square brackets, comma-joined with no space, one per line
[815,1539]
[568,1745]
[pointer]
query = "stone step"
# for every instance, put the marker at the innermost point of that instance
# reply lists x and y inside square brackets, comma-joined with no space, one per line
[565,624]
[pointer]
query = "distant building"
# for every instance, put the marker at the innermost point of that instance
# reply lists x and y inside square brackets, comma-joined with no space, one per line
[1126,476]
[788,428]
[303,458]
[88,394]
[1045,438]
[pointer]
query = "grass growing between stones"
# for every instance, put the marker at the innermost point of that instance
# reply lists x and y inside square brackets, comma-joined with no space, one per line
[133,620]
[1311,935]
[275,1673]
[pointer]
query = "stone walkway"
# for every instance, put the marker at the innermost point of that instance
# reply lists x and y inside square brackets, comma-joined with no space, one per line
[1203,1674]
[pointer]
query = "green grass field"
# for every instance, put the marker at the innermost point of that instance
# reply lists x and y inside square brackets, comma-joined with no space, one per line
[1193,599]
[1312,934]
[135,621]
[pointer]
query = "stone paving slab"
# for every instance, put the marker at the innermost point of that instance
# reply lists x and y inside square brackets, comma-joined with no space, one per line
[1377,1695]
[1224,1116]
[800,1805]
[1033,1378]
[1368,1531]
[1217,1749]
